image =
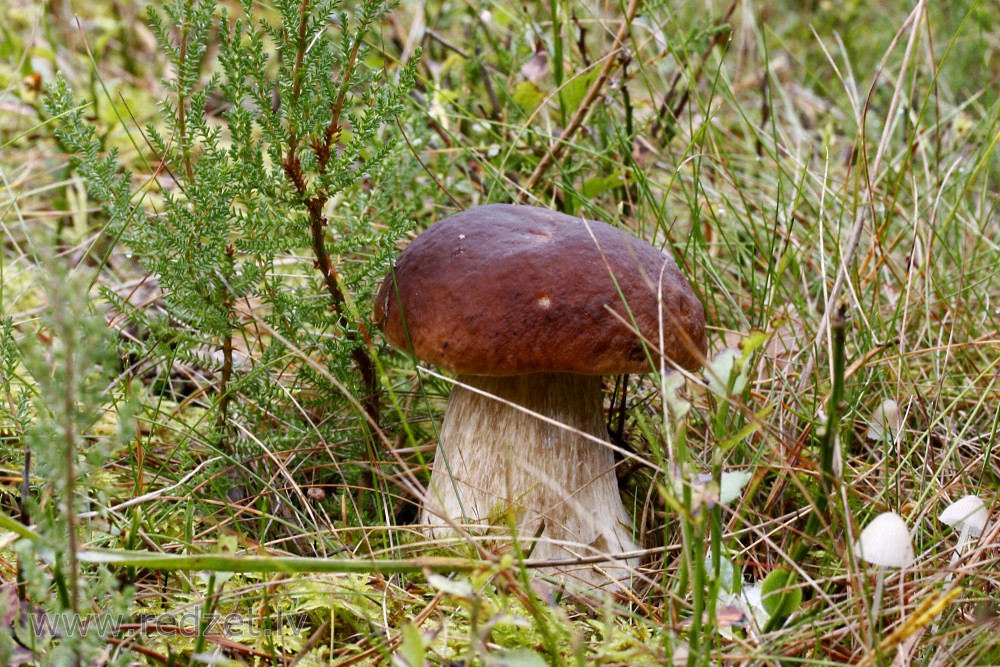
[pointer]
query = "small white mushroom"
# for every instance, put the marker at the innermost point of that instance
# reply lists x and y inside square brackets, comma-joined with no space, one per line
[885,427]
[886,421]
[968,516]
[885,543]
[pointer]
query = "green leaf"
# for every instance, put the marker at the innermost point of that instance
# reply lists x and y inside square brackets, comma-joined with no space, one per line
[754,340]
[725,373]
[574,90]
[594,187]
[459,588]
[411,650]
[528,95]
[14,526]
[731,485]
[778,596]
[750,427]
[677,404]
[519,657]
[726,572]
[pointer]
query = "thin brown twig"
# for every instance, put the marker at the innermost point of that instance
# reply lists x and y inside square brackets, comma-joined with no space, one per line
[325,150]
[560,144]
[315,203]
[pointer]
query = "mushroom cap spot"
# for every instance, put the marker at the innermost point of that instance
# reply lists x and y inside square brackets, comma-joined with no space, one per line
[969,511]
[885,542]
[535,291]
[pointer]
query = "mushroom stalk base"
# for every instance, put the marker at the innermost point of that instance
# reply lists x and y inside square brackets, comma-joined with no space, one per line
[498,468]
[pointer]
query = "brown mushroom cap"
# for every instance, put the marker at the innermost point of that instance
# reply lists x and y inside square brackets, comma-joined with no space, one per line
[508,290]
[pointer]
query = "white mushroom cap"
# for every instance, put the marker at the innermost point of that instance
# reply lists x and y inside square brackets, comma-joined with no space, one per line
[885,422]
[885,542]
[966,513]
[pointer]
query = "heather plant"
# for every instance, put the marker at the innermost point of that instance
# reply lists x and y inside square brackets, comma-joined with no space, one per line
[268,207]
[80,420]
[271,166]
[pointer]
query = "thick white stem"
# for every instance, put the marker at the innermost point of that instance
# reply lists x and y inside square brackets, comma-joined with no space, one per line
[498,467]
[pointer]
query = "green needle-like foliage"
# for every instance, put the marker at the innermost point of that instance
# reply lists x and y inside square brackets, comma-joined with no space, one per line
[73,384]
[269,167]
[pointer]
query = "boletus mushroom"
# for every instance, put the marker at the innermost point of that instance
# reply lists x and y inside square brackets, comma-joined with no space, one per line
[530,307]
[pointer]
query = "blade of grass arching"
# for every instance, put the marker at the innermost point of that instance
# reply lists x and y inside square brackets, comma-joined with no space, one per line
[828,444]
[558,67]
[280,564]
[872,172]
[95,68]
[16,527]
[12,205]
[828,477]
